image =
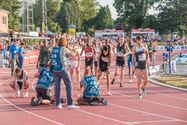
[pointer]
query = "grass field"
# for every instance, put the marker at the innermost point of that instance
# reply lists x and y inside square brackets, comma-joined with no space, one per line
[178,81]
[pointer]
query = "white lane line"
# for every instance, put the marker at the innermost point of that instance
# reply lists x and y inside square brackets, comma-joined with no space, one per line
[101,116]
[156,121]
[58,123]
[147,113]
[167,105]
[143,112]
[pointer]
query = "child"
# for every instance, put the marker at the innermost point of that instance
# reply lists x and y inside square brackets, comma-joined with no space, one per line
[91,94]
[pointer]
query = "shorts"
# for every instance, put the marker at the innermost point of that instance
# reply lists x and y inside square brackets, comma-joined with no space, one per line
[88,61]
[103,66]
[44,93]
[73,64]
[120,61]
[141,65]
[95,63]
[20,84]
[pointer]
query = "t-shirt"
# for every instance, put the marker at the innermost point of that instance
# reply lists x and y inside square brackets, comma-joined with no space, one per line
[20,53]
[13,50]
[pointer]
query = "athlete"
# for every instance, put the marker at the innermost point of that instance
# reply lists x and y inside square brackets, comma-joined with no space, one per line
[20,82]
[129,61]
[140,52]
[89,53]
[104,62]
[122,51]
[74,61]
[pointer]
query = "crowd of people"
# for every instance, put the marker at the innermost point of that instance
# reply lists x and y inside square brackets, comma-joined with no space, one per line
[60,57]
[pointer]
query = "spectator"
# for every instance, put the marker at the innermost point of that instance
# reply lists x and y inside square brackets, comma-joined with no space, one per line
[21,55]
[13,58]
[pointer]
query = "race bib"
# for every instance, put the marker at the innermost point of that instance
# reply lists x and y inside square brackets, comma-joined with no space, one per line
[105,59]
[120,54]
[142,57]
[88,54]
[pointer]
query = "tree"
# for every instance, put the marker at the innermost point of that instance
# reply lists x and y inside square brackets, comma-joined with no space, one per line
[103,19]
[133,11]
[13,6]
[173,16]
[70,14]
[89,9]
[53,7]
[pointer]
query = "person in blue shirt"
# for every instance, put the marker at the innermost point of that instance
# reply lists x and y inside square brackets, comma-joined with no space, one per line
[44,87]
[13,55]
[91,93]
[21,55]
[59,65]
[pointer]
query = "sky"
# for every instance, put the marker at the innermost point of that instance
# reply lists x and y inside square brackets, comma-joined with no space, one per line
[151,11]
[112,8]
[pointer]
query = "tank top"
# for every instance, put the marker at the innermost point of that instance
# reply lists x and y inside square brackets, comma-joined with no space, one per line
[104,58]
[88,52]
[140,54]
[121,50]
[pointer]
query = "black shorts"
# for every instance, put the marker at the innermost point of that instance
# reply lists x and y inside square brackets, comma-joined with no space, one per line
[88,61]
[20,84]
[44,93]
[103,66]
[120,61]
[141,65]
[95,63]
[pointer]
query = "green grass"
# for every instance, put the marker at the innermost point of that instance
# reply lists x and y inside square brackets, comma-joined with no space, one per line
[178,81]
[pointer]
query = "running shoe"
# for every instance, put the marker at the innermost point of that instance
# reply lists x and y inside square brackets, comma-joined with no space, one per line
[144,93]
[103,101]
[73,107]
[18,94]
[59,106]
[130,80]
[140,96]
[26,94]
[109,93]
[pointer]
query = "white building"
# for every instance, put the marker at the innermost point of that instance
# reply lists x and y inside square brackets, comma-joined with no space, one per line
[109,33]
[145,33]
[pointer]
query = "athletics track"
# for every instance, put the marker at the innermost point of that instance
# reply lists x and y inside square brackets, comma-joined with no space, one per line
[162,105]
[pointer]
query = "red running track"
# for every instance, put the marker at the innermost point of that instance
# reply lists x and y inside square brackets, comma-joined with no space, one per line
[162,106]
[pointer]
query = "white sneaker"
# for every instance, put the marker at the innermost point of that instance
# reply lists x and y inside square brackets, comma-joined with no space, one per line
[140,96]
[134,76]
[73,107]
[59,106]
[26,94]
[18,94]
[109,93]
[130,80]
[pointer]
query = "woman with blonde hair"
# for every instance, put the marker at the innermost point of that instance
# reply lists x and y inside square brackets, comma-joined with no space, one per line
[59,65]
